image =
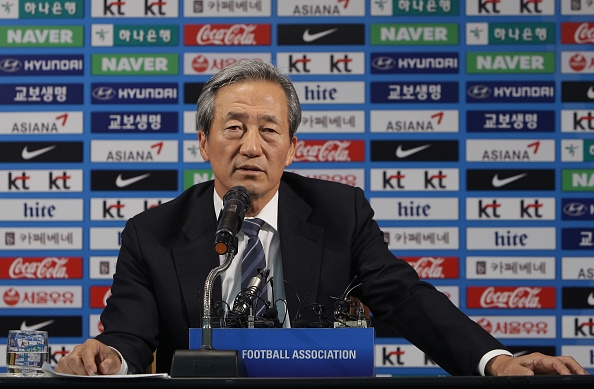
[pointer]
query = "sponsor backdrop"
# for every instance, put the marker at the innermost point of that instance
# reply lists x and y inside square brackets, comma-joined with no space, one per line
[470,126]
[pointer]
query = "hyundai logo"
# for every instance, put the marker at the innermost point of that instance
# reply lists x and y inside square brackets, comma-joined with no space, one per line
[10,65]
[574,209]
[103,93]
[479,91]
[383,63]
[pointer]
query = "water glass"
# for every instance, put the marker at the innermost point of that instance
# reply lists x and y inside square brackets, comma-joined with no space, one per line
[26,352]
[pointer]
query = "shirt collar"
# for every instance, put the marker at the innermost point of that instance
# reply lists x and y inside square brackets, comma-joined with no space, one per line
[269,213]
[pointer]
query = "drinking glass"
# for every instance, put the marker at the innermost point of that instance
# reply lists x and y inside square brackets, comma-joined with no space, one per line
[26,352]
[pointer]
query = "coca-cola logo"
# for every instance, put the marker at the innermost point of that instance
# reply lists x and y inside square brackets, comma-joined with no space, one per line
[50,267]
[521,297]
[429,267]
[11,297]
[329,151]
[233,35]
[584,34]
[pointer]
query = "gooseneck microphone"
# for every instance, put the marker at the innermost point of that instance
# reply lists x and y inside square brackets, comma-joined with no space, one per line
[235,204]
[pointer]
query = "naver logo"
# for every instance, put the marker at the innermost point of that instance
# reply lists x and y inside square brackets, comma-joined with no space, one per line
[577,180]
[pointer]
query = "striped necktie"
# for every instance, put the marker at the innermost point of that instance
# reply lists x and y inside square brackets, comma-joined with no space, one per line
[253,257]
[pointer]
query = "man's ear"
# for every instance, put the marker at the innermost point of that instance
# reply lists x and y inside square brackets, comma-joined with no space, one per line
[203,142]
[291,153]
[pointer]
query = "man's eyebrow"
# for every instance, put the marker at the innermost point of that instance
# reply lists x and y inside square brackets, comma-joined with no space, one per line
[241,115]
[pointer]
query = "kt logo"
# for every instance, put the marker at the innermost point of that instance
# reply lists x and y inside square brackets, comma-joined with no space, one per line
[340,65]
[299,65]
[114,210]
[433,181]
[526,6]
[583,122]
[151,7]
[392,358]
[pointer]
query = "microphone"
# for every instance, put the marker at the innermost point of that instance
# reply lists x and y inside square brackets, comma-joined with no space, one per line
[235,204]
[243,301]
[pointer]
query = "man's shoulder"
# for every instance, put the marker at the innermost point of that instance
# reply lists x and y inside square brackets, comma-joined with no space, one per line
[180,204]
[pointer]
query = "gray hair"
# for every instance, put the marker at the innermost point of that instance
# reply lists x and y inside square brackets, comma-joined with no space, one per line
[240,71]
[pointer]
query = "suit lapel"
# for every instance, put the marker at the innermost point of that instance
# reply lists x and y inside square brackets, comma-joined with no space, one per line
[301,249]
[197,258]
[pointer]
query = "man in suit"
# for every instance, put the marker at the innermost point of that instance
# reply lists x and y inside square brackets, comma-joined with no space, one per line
[317,236]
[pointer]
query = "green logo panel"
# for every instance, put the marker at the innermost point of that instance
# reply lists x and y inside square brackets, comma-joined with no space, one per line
[55,9]
[577,180]
[510,63]
[414,34]
[134,64]
[41,36]
[196,176]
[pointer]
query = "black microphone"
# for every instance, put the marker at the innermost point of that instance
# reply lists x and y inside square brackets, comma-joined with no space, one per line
[235,204]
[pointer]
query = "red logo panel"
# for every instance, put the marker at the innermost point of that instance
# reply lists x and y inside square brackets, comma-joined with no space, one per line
[514,297]
[227,34]
[29,268]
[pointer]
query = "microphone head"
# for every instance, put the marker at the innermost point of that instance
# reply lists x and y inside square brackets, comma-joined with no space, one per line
[236,202]
[240,193]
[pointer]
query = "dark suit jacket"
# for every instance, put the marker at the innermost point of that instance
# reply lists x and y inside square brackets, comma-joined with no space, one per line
[327,237]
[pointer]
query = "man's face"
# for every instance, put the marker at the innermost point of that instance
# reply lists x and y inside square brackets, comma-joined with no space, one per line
[249,142]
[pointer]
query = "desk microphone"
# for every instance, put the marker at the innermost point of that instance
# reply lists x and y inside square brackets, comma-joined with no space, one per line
[244,300]
[235,204]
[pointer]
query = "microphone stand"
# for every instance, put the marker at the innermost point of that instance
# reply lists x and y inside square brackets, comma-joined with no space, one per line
[206,361]
[214,273]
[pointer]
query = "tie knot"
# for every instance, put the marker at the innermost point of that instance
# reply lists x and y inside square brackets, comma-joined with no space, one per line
[251,227]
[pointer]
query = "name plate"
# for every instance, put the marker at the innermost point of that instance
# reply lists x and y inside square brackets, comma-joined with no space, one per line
[297,352]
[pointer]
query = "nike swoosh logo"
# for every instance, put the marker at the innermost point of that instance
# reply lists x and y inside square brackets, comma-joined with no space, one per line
[405,153]
[124,182]
[26,154]
[591,299]
[497,182]
[35,327]
[307,37]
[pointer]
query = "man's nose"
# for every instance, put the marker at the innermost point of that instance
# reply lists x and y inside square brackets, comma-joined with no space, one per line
[251,141]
